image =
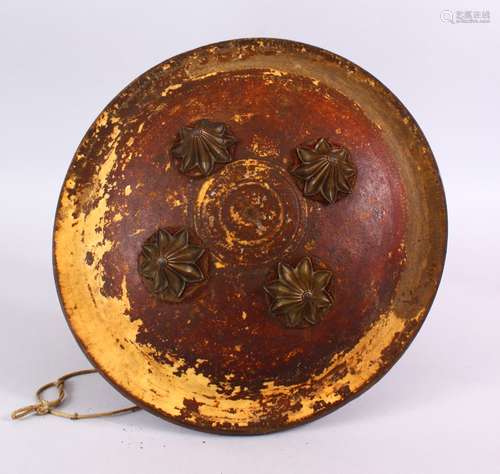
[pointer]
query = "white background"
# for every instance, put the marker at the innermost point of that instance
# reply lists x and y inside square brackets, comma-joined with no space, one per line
[437,410]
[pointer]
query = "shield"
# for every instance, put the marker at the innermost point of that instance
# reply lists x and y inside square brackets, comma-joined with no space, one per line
[249,236]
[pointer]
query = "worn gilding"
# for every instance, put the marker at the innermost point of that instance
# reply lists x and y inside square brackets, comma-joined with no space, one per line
[217,360]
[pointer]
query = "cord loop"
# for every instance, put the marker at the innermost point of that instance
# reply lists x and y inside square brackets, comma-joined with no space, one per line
[46,407]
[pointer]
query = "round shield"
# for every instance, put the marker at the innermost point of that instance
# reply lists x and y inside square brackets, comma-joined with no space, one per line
[249,236]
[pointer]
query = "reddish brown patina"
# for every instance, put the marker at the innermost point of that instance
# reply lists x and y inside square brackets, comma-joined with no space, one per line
[383,243]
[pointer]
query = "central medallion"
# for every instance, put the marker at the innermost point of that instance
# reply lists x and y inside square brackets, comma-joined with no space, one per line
[250,212]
